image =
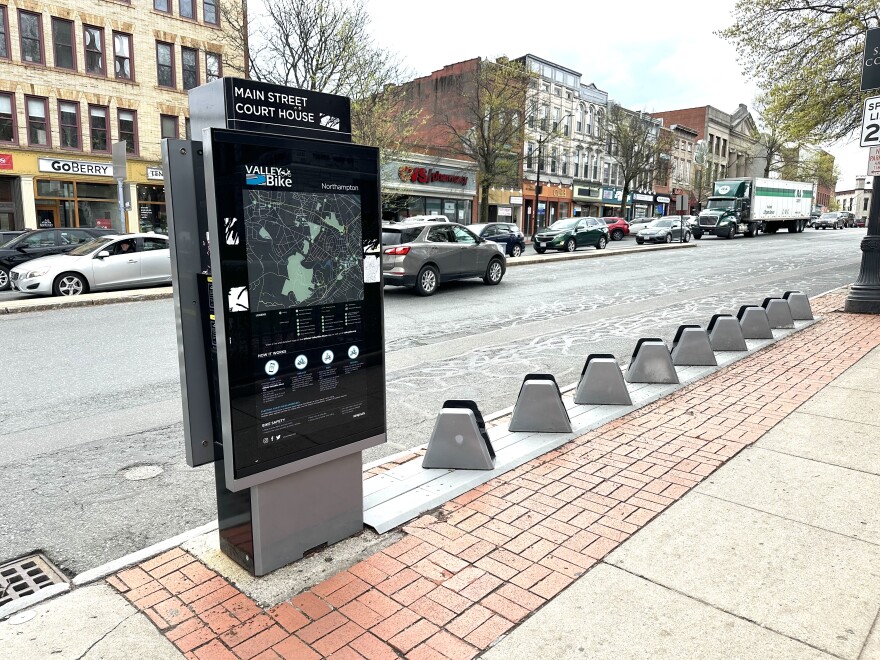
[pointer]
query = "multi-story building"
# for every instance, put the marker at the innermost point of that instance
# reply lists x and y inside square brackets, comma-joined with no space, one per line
[564,144]
[77,77]
[731,139]
[856,200]
[677,178]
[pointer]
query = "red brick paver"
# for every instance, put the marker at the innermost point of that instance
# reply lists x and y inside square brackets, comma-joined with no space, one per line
[464,576]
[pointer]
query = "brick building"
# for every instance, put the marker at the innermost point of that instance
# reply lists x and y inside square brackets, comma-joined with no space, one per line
[731,138]
[76,77]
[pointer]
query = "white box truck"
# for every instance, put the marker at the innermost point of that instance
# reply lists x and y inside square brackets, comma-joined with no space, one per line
[749,205]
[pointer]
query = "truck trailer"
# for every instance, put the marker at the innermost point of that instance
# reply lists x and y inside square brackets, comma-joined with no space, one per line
[749,205]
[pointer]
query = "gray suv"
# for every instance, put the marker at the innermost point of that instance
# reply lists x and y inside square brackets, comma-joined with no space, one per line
[423,254]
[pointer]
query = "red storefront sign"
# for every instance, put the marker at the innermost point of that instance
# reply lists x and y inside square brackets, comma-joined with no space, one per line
[5,161]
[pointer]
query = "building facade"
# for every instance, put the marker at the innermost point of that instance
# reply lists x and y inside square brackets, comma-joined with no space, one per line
[75,78]
[857,200]
[676,178]
[418,184]
[731,138]
[564,145]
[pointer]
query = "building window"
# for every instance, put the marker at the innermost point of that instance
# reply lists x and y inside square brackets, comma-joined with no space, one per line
[151,209]
[94,47]
[68,125]
[128,130]
[165,64]
[209,12]
[189,62]
[122,63]
[213,67]
[865,203]
[169,126]
[4,33]
[37,121]
[162,5]
[576,167]
[553,158]
[187,8]
[99,127]
[7,119]
[579,127]
[187,131]
[30,27]
[80,203]
[62,44]
[564,163]
[530,149]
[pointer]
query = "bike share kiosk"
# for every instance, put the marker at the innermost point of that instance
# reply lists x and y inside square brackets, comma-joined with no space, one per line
[276,229]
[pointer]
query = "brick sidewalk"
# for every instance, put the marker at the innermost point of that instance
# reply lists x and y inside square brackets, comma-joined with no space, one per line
[465,575]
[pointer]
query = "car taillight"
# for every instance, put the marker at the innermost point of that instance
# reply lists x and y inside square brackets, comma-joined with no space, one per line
[401,249]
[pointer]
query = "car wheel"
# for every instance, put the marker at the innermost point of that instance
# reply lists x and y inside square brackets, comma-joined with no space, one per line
[731,232]
[668,238]
[602,243]
[4,278]
[570,245]
[494,272]
[687,237]
[427,281]
[70,284]
[516,251]
[540,250]
[698,236]
[617,235]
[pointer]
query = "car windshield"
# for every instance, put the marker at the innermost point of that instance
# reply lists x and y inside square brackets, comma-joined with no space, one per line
[829,216]
[720,204]
[662,222]
[394,236]
[88,248]
[565,223]
[477,229]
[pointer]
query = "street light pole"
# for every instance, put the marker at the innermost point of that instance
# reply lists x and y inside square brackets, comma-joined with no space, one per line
[864,295]
[534,223]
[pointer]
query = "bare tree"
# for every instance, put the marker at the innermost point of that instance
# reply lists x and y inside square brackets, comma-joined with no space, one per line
[483,118]
[636,143]
[325,46]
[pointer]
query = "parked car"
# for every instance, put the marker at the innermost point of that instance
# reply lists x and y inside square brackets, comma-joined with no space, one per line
[831,219]
[861,222]
[422,254]
[40,243]
[127,261]
[506,233]
[568,234]
[617,228]
[814,215]
[849,219]
[424,218]
[665,230]
[639,224]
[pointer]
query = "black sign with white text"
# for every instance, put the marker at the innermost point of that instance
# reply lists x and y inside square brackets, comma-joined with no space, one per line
[297,272]
[871,61]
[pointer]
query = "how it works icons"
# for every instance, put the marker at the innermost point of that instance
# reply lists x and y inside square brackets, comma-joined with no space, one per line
[327,356]
[353,352]
[301,362]
[272,367]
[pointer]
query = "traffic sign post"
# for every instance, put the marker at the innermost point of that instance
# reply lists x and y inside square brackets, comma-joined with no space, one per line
[864,294]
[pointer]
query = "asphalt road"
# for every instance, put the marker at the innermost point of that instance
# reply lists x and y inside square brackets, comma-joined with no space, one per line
[90,423]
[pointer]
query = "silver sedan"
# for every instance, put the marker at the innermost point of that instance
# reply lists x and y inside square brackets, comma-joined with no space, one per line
[110,262]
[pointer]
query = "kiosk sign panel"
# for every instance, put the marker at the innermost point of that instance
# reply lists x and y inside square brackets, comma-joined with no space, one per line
[295,256]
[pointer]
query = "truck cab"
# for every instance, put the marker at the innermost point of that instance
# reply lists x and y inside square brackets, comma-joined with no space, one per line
[728,211]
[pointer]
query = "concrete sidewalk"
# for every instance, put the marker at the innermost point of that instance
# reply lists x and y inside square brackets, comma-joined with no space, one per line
[634,540]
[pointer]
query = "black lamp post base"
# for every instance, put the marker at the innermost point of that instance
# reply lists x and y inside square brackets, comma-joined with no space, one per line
[864,295]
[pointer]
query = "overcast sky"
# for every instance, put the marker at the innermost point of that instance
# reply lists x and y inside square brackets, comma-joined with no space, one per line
[647,55]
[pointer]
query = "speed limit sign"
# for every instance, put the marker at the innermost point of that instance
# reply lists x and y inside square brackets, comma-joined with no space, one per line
[871,123]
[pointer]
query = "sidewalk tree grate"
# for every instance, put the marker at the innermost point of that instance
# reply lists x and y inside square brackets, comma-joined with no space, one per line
[26,576]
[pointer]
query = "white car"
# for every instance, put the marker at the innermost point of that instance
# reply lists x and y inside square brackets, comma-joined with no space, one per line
[638,224]
[126,261]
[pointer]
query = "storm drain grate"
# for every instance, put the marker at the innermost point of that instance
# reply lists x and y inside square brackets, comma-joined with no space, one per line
[26,576]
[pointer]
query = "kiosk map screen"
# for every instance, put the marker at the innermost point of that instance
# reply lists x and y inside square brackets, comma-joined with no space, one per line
[301,356]
[303,249]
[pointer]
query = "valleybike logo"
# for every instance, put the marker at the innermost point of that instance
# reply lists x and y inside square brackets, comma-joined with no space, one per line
[268,177]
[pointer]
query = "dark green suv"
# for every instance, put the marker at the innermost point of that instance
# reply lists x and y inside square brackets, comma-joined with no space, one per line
[568,234]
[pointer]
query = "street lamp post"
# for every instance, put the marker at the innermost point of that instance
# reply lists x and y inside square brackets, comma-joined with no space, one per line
[864,295]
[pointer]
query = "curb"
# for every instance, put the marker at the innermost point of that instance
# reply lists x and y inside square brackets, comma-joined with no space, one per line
[593,255]
[94,299]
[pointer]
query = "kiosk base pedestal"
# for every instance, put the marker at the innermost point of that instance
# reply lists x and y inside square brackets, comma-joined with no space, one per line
[273,524]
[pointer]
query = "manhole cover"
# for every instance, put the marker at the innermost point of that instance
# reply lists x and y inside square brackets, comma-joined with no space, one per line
[26,576]
[141,472]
